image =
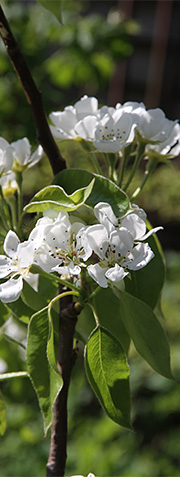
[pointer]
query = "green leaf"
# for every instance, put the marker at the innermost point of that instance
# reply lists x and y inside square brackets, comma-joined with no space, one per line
[85,324]
[146,332]
[54,6]
[54,197]
[107,307]
[20,310]
[4,313]
[146,284]
[104,190]
[108,374]
[42,368]
[32,298]
[2,416]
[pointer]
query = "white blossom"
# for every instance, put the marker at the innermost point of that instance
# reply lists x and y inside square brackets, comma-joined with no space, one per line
[16,263]
[66,121]
[154,126]
[6,156]
[22,154]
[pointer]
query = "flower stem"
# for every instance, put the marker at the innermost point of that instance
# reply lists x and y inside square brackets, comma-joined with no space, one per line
[123,164]
[6,215]
[139,155]
[151,166]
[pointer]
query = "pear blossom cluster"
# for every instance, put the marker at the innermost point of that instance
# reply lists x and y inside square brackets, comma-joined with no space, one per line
[16,157]
[107,250]
[110,129]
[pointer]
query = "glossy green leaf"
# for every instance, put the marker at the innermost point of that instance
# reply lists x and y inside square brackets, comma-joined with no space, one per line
[107,307]
[2,416]
[54,6]
[146,284]
[146,332]
[42,369]
[104,190]
[108,373]
[54,197]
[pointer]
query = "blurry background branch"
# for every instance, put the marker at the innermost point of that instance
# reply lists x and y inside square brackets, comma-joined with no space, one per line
[33,96]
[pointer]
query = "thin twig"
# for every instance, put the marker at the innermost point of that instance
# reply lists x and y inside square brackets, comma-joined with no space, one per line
[33,96]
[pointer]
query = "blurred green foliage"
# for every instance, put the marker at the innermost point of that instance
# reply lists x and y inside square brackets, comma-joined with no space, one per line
[96,444]
[66,61]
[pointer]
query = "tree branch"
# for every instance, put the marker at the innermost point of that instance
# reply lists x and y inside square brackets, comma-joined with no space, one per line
[33,96]
[67,357]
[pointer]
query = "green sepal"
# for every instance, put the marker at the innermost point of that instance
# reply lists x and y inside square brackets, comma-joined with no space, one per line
[108,373]
[104,189]
[55,197]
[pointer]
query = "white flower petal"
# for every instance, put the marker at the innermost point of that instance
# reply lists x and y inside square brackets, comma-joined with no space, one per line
[10,291]
[152,231]
[139,257]
[86,128]
[36,157]
[97,237]
[32,279]
[135,225]
[85,106]
[121,242]
[116,273]
[11,243]
[25,253]
[22,150]
[98,274]
[6,266]
[104,213]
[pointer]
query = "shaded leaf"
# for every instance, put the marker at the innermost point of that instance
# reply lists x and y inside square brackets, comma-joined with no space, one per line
[146,332]
[107,307]
[108,374]
[54,6]
[146,284]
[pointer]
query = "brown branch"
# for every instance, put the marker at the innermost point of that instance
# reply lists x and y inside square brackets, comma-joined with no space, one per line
[33,96]
[67,356]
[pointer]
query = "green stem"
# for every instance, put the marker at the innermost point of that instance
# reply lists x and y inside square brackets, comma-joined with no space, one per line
[151,166]
[12,204]
[95,163]
[123,163]
[7,219]
[139,155]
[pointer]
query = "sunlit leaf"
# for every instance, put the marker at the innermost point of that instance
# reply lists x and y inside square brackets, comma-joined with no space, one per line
[104,190]
[55,197]
[2,416]
[43,372]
